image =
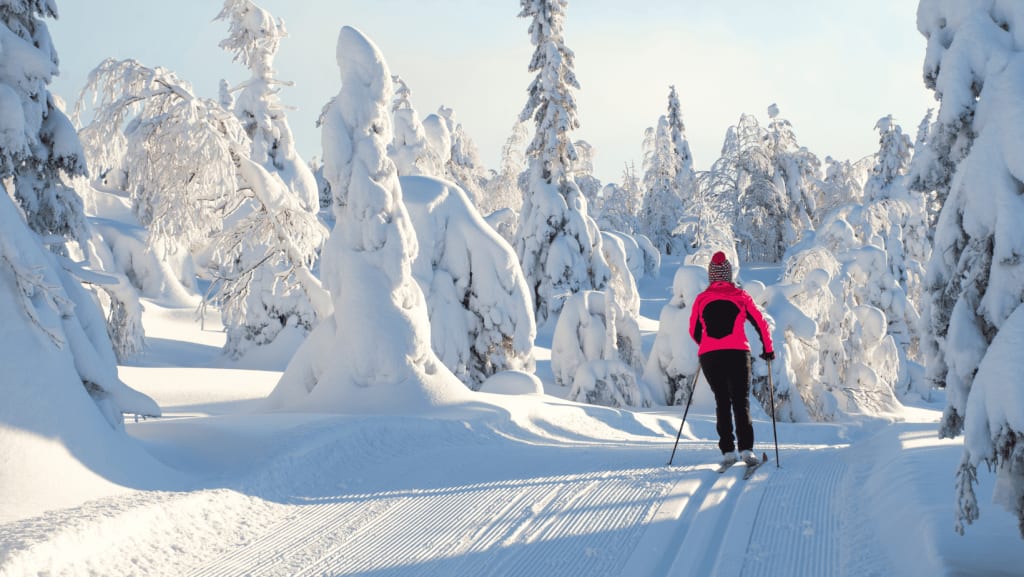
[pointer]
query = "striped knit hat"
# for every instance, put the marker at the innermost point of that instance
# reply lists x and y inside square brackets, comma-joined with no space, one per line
[719,268]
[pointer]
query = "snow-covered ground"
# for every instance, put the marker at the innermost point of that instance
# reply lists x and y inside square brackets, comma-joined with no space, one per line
[501,485]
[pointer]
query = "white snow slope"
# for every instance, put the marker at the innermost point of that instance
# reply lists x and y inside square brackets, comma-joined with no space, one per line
[530,485]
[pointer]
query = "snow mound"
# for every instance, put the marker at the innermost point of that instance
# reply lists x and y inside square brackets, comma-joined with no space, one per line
[513,383]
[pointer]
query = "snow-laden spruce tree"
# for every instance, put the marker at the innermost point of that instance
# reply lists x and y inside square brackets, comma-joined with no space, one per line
[975,65]
[922,174]
[481,318]
[410,150]
[626,264]
[61,391]
[685,176]
[662,207]
[557,242]
[260,288]
[43,157]
[373,354]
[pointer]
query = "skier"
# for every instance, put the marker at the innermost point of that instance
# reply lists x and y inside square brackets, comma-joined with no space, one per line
[716,324]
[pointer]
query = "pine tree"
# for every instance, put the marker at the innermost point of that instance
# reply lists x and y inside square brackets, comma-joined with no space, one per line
[557,242]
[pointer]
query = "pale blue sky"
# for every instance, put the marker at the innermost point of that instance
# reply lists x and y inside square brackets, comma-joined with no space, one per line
[833,67]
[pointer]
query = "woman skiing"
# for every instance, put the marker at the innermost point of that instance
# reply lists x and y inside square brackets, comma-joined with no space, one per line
[716,324]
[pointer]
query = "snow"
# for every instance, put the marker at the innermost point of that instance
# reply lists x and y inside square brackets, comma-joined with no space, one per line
[500,484]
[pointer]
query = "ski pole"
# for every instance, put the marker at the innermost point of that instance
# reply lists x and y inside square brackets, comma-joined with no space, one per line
[771,391]
[693,386]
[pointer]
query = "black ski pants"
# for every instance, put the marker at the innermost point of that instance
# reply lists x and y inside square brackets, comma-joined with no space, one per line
[728,373]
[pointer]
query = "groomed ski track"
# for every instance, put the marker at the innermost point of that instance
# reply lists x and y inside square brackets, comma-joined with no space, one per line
[524,503]
[612,509]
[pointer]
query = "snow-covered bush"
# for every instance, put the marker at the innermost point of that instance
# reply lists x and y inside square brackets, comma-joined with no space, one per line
[373,353]
[481,318]
[794,371]
[596,350]
[673,358]
[623,281]
[849,343]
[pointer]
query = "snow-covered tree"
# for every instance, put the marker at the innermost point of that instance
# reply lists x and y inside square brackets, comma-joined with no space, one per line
[410,150]
[708,220]
[975,65]
[795,171]
[896,222]
[662,207]
[622,282]
[57,353]
[373,353]
[254,36]
[481,318]
[190,173]
[673,359]
[171,153]
[263,260]
[843,184]
[620,203]
[558,244]
[463,165]
[503,190]
[685,175]
[853,269]
[596,351]
[740,188]
[583,173]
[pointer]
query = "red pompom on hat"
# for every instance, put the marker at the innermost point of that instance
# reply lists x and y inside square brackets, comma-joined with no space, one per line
[719,268]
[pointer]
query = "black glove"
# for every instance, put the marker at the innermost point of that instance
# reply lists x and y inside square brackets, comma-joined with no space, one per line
[768,356]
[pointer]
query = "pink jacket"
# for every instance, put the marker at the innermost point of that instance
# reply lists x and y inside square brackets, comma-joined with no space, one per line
[717,317]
